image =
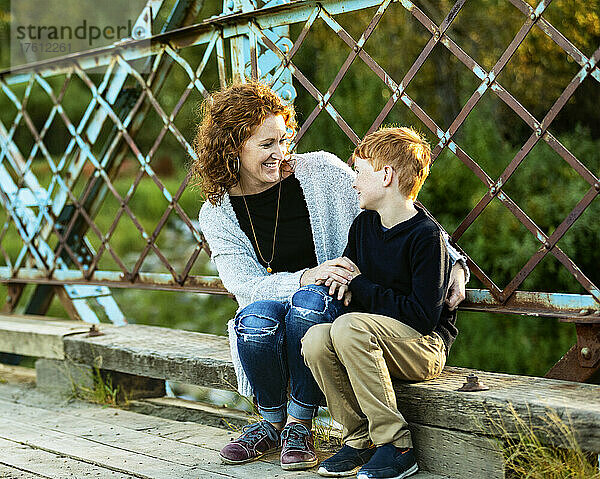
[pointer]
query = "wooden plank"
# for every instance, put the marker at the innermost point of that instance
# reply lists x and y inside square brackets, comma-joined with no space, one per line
[457,454]
[8,472]
[38,463]
[32,336]
[203,437]
[168,458]
[438,403]
[186,410]
[184,356]
[93,452]
[16,374]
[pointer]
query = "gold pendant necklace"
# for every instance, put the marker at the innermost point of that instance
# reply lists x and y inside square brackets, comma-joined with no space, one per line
[269,269]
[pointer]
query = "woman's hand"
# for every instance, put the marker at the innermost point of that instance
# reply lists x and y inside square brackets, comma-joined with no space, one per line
[338,269]
[342,287]
[456,291]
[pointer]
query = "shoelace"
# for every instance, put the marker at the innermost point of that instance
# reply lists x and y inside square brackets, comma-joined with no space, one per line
[253,432]
[295,435]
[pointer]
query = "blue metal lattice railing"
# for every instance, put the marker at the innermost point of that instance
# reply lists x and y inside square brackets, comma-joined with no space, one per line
[61,243]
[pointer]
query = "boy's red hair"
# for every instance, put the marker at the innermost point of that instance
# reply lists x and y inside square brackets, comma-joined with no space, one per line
[405,150]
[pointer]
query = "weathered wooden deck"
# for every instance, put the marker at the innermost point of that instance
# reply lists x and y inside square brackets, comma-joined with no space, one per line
[45,436]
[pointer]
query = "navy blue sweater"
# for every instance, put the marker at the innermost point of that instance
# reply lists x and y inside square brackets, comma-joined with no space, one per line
[404,272]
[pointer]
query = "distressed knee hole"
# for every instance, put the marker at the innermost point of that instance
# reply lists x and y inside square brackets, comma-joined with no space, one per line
[255,325]
[310,300]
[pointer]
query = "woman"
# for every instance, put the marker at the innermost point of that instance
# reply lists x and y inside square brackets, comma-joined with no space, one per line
[276,226]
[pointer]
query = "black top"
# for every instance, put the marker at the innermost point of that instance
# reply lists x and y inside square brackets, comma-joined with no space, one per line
[294,245]
[404,272]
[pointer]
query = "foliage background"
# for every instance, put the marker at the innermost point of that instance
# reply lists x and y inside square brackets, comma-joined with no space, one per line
[544,186]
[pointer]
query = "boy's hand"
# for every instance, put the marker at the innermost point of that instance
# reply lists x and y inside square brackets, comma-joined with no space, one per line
[347,298]
[456,291]
[342,290]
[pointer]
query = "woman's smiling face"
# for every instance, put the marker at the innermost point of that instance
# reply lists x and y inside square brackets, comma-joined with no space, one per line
[262,154]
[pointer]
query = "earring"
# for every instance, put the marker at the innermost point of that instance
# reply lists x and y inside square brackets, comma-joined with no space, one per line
[236,166]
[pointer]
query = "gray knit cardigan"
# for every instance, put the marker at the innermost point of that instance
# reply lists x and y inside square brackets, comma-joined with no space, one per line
[326,182]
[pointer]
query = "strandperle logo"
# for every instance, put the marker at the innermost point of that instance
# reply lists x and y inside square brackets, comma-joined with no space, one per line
[67,27]
[84,31]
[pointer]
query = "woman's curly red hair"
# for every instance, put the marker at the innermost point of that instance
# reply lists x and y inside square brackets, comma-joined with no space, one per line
[229,117]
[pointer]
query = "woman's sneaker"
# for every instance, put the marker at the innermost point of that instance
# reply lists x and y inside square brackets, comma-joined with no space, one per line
[389,462]
[297,447]
[345,462]
[256,440]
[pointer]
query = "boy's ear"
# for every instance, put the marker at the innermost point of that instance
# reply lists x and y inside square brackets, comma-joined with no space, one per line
[388,175]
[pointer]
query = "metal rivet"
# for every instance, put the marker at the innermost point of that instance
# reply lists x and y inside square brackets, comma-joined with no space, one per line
[586,353]
[473,384]
[94,331]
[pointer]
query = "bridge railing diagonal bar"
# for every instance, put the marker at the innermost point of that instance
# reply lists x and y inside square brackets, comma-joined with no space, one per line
[68,171]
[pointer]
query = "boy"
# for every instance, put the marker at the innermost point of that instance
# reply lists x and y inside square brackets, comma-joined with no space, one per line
[400,327]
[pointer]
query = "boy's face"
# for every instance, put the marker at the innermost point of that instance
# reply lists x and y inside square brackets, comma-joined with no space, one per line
[368,184]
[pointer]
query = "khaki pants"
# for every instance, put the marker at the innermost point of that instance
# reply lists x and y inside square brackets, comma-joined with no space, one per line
[353,359]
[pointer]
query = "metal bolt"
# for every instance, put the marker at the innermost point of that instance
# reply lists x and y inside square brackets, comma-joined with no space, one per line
[538,131]
[586,353]
[436,36]
[533,16]
[585,312]
[487,80]
[94,331]
[356,48]
[547,245]
[473,384]
[597,186]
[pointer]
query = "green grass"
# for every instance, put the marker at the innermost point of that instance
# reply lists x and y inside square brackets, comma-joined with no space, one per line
[528,456]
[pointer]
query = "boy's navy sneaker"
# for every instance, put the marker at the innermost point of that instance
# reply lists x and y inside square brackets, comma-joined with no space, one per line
[345,462]
[389,462]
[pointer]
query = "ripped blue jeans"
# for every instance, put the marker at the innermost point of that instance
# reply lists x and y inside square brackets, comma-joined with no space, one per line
[268,340]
